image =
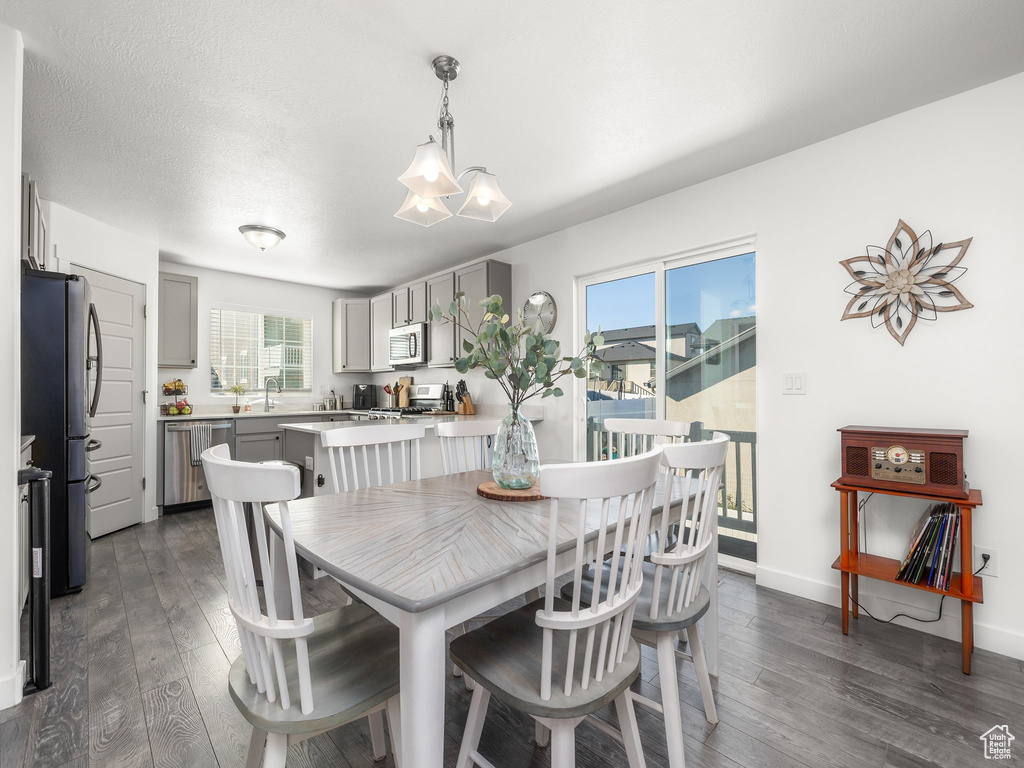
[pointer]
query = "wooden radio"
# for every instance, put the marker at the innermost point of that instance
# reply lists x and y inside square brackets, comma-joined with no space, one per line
[926,460]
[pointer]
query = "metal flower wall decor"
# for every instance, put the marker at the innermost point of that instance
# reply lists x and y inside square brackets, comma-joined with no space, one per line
[907,280]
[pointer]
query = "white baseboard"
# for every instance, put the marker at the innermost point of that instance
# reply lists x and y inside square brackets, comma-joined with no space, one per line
[12,688]
[732,563]
[987,636]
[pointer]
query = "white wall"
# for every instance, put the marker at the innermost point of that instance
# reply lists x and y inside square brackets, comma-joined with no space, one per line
[953,167]
[11,60]
[85,242]
[224,288]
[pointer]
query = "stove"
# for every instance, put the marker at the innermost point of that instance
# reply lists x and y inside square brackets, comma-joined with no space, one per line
[423,399]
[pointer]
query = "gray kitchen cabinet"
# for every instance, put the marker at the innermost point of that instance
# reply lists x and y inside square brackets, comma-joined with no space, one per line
[400,307]
[478,281]
[418,303]
[441,334]
[351,335]
[381,309]
[409,304]
[178,322]
[261,446]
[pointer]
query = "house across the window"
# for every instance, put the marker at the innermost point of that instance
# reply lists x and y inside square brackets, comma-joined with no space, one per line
[247,348]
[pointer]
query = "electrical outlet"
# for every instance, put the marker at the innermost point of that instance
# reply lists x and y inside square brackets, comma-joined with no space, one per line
[309,463]
[993,561]
[794,383]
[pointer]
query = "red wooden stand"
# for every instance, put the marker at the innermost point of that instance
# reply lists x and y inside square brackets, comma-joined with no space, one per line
[852,563]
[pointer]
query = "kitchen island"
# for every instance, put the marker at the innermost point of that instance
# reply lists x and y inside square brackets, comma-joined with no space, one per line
[303,448]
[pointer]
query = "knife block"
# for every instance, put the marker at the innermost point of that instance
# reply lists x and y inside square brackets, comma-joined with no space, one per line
[466,406]
[403,393]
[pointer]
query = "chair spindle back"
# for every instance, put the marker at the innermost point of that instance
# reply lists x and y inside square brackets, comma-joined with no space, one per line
[630,437]
[467,445]
[626,490]
[233,484]
[395,449]
[694,473]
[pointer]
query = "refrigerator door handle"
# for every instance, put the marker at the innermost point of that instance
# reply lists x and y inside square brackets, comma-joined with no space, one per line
[94,321]
[96,483]
[93,445]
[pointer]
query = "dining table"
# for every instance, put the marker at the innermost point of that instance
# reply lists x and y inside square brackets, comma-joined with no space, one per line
[429,555]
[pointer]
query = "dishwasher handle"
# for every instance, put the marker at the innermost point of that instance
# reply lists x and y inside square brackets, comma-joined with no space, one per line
[184,428]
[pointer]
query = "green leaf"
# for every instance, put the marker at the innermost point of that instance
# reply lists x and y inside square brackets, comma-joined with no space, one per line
[557,391]
[541,370]
[461,365]
[580,373]
[467,345]
[576,363]
[547,393]
[598,340]
[453,309]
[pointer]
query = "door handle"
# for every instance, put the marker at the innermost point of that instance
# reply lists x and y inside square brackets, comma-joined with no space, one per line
[98,482]
[94,320]
[93,445]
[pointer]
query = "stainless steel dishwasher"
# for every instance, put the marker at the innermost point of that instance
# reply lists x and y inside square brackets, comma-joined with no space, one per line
[184,483]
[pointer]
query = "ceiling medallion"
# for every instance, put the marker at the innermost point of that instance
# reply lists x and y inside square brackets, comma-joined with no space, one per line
[908,280]
[430,176]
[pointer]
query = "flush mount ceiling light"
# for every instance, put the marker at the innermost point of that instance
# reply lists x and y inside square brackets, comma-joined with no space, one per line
[259,236]
[430,176]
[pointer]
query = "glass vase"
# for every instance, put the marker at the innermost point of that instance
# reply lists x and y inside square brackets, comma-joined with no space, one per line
[516,464]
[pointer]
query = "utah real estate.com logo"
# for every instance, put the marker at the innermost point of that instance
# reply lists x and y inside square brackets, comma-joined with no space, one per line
[997,742]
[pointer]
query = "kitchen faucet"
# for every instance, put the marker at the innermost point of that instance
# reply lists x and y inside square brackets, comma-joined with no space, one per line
[267,405]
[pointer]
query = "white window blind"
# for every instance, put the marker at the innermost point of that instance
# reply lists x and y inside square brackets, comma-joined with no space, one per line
[248,347]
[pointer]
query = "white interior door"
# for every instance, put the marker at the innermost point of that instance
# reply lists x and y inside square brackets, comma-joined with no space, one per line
[119,421]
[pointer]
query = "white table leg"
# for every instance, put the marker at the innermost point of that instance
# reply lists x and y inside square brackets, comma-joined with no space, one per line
[279,571]
[711,617]
[422,660]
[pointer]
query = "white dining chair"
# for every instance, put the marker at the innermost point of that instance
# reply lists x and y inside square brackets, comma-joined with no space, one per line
[674,596]
[301,676]
[367,456]
[557,660]
[628,437]
[467,445]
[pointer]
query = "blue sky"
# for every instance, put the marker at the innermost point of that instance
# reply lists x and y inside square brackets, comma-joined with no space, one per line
[700,293]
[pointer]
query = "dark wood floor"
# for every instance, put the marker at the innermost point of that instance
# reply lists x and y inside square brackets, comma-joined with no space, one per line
[140,660]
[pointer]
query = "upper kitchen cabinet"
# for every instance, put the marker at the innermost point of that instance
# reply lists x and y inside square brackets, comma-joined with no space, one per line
[34,233]
[178,323]
[380,328]
[441,334]
[478,281]
[409,305]
[351,335]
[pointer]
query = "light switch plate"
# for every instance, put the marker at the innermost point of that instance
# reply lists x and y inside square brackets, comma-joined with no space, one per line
[794,383]
[309,463]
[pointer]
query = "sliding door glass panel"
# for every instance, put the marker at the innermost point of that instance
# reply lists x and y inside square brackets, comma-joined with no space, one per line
[625,311]
[710,375]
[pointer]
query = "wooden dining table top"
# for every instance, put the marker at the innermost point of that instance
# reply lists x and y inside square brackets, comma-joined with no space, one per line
[418,544]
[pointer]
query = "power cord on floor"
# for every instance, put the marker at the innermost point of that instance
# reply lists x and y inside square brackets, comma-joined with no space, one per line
[984,564]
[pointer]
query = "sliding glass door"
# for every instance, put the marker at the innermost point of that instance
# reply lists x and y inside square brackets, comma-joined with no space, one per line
[680,343]
[624,309]
[710,377]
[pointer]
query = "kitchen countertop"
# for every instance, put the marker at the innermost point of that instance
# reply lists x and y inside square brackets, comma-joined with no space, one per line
[427,421]
[253,415]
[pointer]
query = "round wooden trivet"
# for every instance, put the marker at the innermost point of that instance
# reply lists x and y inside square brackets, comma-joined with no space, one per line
[491,490]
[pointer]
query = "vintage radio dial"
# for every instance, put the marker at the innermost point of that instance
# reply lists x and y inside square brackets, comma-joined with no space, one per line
[897,454]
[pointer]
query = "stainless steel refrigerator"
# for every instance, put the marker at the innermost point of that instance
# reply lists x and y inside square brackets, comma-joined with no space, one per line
[60,345]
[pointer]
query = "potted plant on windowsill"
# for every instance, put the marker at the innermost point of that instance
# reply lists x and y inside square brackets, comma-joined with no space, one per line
[238,390]
[525,363]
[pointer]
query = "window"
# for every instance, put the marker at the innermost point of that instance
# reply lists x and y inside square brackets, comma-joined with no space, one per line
[246,348]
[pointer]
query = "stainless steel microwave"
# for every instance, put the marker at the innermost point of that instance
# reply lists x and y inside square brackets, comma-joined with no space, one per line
[408,345]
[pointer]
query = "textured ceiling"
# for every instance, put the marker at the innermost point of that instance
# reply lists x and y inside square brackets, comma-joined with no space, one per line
[179,121]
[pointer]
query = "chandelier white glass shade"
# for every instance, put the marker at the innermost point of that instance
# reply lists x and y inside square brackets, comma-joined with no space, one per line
[430,176]
[484,200]
[424,211]
[259,236]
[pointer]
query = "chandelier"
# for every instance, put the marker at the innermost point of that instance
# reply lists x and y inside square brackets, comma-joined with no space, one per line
[430,176]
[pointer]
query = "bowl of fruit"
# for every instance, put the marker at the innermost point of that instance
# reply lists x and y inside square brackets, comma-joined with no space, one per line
[177,408]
